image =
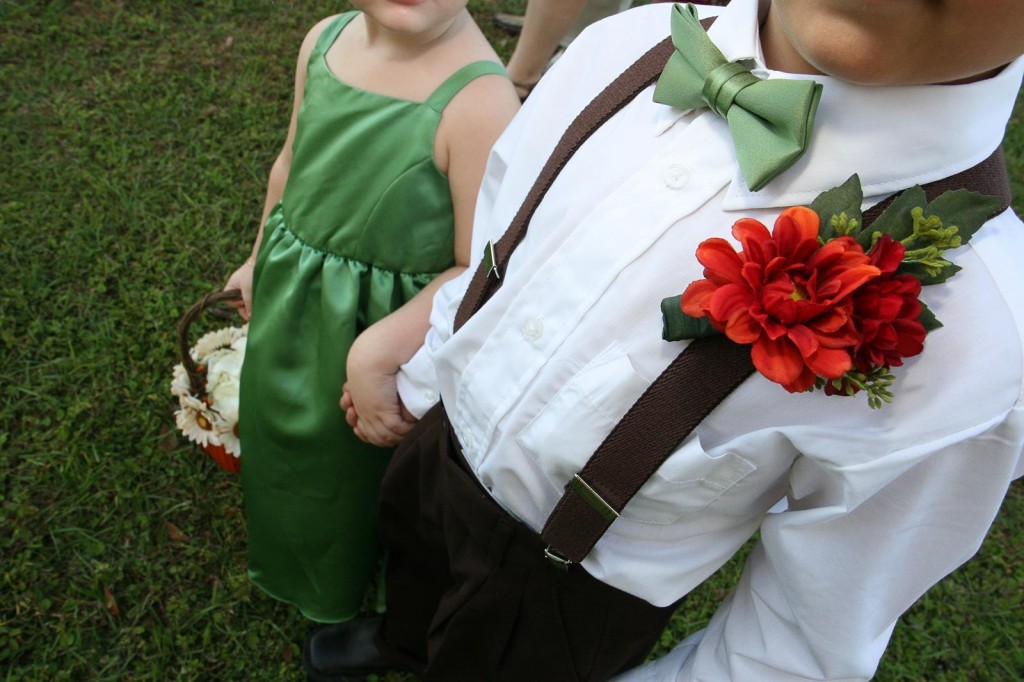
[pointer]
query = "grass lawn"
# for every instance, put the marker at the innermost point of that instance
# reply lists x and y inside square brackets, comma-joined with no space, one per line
[136,140]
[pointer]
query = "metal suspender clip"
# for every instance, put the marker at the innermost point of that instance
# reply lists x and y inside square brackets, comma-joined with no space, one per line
[491,261]
[592,498]
[555,557]
[596,502]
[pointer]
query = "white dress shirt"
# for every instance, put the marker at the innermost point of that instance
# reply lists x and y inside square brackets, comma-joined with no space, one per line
[859,510]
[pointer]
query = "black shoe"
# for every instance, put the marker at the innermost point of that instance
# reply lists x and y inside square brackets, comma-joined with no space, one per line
[509,23]
[345,652]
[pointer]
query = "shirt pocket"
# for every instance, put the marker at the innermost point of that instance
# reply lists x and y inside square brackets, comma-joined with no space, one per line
[566,432]
[690,480]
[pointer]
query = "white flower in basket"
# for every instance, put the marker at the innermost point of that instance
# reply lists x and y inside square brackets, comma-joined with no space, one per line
[207,391]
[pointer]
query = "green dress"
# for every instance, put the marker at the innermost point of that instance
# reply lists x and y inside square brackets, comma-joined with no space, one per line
[364,223]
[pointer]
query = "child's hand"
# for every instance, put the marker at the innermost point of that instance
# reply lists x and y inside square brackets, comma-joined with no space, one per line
[370,397]
[352,417]
[242,279]
[347,406]
[386,428]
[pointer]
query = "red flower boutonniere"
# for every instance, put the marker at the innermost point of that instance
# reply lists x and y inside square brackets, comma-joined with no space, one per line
[823,301]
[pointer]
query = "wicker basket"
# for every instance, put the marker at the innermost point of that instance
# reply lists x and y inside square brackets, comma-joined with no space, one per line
[197,376]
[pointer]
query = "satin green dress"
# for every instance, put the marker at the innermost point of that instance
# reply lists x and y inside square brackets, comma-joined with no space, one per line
[365,222]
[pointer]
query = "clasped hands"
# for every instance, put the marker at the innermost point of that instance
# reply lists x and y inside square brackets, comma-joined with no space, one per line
[370,398]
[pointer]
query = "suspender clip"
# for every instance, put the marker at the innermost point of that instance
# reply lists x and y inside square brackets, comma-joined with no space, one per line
[591,497]
[491,261]
[555,557]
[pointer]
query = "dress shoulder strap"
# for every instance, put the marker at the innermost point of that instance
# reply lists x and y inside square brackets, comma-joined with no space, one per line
[439,99]
[331,33]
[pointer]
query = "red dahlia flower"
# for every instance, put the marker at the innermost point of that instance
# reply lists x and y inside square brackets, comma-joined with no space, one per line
[785,295]
[886,312]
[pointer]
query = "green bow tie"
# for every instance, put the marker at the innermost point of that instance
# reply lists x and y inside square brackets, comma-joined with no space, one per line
[770,120]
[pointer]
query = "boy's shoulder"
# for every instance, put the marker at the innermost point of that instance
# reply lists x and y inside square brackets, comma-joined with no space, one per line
[625,36]
[609,46]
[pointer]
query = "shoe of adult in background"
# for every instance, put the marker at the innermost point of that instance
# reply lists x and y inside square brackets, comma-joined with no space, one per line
[509,23]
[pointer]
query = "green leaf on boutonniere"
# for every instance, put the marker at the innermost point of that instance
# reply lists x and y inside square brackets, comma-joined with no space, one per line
[968,210]
[946,223]
[928,319]
[896,220]
[935,271]
[679,326]
[838,209]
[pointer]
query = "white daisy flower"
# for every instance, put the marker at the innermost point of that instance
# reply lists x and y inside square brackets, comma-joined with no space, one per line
[220,338]
[180,385]
[229,437]
[196,421]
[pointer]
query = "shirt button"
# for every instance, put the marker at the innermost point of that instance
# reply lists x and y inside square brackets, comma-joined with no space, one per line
[676,176]
[470,442]
[533,328]
[429,395]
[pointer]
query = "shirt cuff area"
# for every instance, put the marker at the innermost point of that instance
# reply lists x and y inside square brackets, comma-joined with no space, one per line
[674,666]
[417,384]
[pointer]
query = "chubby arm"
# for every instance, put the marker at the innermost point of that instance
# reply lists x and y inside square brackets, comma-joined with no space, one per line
[471,123]
[370,396]
[241,278]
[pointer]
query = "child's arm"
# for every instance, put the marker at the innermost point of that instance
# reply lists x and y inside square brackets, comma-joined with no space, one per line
[469,127]
[242,277]
[373,361]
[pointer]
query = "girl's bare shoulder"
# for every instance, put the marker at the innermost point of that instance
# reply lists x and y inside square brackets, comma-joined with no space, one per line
[313,35]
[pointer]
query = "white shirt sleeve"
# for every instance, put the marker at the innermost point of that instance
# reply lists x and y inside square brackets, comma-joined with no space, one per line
[822,589]
[417,379]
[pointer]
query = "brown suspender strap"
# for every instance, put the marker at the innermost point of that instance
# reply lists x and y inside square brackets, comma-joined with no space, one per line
[641,74]
[693,384]
[703,375]
[690,387]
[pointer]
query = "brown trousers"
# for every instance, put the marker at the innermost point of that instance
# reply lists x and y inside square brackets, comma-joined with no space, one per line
[470,595]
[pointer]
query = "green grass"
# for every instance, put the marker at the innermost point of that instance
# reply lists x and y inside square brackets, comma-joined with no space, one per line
[136,139]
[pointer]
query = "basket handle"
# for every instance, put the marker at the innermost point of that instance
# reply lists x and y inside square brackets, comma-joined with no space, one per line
[211,299]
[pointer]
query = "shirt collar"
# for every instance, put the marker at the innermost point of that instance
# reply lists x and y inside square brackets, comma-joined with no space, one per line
[962,126]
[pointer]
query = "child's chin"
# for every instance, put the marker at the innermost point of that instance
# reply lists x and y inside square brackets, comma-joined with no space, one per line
[409,17]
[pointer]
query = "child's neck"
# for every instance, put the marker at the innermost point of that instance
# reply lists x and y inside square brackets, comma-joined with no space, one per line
[780,54]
